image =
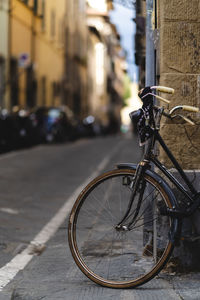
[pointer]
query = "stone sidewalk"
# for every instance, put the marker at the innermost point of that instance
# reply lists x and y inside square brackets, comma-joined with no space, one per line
[66,281]
[187,286]
[53,275]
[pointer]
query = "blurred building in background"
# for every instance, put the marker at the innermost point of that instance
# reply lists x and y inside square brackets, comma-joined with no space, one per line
[67,54]
[4,53]
[105,65]
[75,75]
[36,52]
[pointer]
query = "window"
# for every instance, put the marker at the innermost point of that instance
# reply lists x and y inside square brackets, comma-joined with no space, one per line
[61,32]
[25,1]
[2,79]
[30,3]
[82,5]
[14,85]
[35,7]
[43,91]
[43,14]
[38,7]
[31,87]
[53,24]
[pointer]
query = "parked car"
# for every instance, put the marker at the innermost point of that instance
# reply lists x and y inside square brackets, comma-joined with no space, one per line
[25,128]
[91,127]
[7,132]
[54,125]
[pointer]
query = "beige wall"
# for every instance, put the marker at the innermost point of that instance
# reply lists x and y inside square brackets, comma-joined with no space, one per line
[4,53]
[97,79]
[76,58]
[20,40]
[43,44]
[59,55]
[49,51]
[180,68]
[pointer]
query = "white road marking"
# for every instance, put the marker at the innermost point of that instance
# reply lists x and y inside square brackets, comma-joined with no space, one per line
[9,210]
[19,262]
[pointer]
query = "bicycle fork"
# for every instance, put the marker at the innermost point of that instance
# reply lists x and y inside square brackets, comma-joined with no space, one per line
[139,185]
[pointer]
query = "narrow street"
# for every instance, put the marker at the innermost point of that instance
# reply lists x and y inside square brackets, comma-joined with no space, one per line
[71,72]
[35,183]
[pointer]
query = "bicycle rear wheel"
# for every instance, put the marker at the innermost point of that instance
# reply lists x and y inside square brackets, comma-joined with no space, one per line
[113,258]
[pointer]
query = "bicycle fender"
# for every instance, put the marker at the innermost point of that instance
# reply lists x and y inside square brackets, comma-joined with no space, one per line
[175,232]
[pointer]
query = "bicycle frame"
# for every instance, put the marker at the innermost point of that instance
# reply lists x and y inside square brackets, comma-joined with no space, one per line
[193,201]
[177,167]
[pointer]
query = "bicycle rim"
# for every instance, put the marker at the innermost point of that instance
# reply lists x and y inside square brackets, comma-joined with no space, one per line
[114,258]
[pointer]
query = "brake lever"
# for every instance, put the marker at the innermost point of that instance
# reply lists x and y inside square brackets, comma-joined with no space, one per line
[184,118]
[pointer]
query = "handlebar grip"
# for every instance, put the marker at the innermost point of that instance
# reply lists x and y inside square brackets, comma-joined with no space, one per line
[162,99]
[190,108]
[163,89]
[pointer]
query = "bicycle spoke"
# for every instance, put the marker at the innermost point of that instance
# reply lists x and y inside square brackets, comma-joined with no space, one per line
[109,253]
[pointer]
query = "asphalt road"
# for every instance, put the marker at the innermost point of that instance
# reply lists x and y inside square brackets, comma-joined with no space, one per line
[37,187]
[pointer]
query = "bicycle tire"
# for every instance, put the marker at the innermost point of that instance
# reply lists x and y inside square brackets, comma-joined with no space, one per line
[119,259]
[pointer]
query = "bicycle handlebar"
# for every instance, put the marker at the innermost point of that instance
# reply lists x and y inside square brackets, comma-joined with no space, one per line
[147,91]
[159,88]
[163,89]
[190,108]
[184,107]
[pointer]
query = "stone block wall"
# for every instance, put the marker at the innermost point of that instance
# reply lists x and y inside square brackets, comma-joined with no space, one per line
[179,68]
[179,60]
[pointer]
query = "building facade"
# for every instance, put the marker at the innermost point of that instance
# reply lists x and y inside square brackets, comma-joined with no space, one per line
[61,55]
[75,84]
[105,65]
[4,53]
[36,40]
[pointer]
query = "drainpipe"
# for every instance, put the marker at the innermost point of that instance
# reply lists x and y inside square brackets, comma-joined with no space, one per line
[150,50]
[150,79]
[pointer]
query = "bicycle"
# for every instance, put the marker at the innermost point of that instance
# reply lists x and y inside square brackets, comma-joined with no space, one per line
[125,223]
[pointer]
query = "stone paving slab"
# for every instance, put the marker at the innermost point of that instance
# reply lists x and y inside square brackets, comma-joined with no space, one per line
[65,281]
[53,275]
[187,286]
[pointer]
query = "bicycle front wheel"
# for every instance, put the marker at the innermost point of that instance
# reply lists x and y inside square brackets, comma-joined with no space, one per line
[114,258]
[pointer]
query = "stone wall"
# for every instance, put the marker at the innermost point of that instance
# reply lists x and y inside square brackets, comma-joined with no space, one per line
[179,60]
[179,68]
